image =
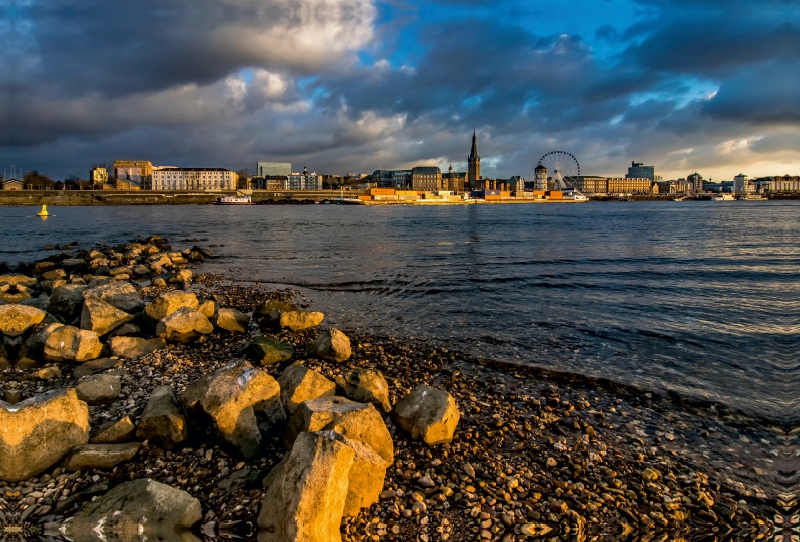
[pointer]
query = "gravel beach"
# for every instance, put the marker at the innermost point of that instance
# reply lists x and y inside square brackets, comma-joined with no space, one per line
[535,454]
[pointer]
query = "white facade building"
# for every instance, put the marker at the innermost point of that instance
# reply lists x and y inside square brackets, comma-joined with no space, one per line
[194,179]
[740,184]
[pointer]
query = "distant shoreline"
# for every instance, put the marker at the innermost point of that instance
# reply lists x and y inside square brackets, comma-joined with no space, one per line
[113,198]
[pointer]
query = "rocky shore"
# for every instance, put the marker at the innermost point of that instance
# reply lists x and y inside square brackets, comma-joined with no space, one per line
[129,382]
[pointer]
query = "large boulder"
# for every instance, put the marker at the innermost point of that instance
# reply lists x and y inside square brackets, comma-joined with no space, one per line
[68,343]
[134,347]
[162,422]
[366,478]
[100,456]
[17,319]
[38,432]
[299,384]
[18,280]
[239,403]
[267,351]
[67,301]
[141,510]
[98,389]
[102,317]
[231,320]
[331,345]
[356,421]
[306,501]
[120,294]
[367,386]
[169,302]
[293,320]
[428,414]
[184,325]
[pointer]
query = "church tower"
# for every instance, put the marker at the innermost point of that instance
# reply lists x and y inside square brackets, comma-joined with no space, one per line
[474,161]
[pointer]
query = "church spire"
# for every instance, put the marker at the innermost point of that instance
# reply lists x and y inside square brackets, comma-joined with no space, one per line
[473,155]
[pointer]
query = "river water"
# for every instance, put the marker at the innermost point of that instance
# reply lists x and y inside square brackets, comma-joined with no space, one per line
[700,298]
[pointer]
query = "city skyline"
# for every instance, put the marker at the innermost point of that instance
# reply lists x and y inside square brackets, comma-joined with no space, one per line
[357,85]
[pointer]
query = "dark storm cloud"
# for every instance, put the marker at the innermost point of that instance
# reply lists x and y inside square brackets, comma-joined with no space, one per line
[226,82]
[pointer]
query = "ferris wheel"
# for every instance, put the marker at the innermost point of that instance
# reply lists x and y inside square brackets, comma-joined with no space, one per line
[562,168]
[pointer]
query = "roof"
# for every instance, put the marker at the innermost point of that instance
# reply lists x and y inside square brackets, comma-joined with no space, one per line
[473,155]
[192,169]
[426,170]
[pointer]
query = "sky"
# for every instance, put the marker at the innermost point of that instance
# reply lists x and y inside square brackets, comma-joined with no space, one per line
[351,86]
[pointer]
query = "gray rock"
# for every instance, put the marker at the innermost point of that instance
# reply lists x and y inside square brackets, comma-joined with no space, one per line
[67,301]
[137,510]
[102,317]
[267,351]
[38,432]
[238,403]
[127,330]
[299,384]
[68,343]
[95,366]
[274,305]
[331,345]
[98,389]
[134,347]
[162,422]
[428,414]
[100,456]
[184,325]
[42,302]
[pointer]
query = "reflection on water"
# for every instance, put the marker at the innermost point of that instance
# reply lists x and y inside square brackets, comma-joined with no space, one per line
[699,298]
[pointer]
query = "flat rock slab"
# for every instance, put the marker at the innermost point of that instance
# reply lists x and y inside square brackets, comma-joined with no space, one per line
[39,431]
[135,347]
[120,294]
[100,456]
[367,386]
[17,319]
[137,510]
[95,366]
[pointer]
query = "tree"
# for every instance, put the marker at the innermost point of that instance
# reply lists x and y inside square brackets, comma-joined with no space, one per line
[33,180]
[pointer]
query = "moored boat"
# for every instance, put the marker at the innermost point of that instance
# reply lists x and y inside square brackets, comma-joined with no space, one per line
[723,197]
[234,200]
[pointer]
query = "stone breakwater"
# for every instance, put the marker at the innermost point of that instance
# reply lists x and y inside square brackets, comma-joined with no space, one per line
[142,400]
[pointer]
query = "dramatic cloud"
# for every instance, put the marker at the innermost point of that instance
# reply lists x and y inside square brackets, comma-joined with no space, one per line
[355,85]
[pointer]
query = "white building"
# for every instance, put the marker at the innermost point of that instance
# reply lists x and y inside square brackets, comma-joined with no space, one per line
[194,179]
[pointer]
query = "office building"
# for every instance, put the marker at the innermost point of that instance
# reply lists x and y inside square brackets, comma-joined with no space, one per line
[697,182]
[427,179]
[740,184]
[631,186]
[265,169]
[588,184]
[641,171]
[194,179]
[303,181]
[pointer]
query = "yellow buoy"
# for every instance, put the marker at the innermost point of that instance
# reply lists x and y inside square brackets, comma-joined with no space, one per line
[43,212]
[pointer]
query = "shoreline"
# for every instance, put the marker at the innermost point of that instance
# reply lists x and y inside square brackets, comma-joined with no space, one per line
[602,436]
